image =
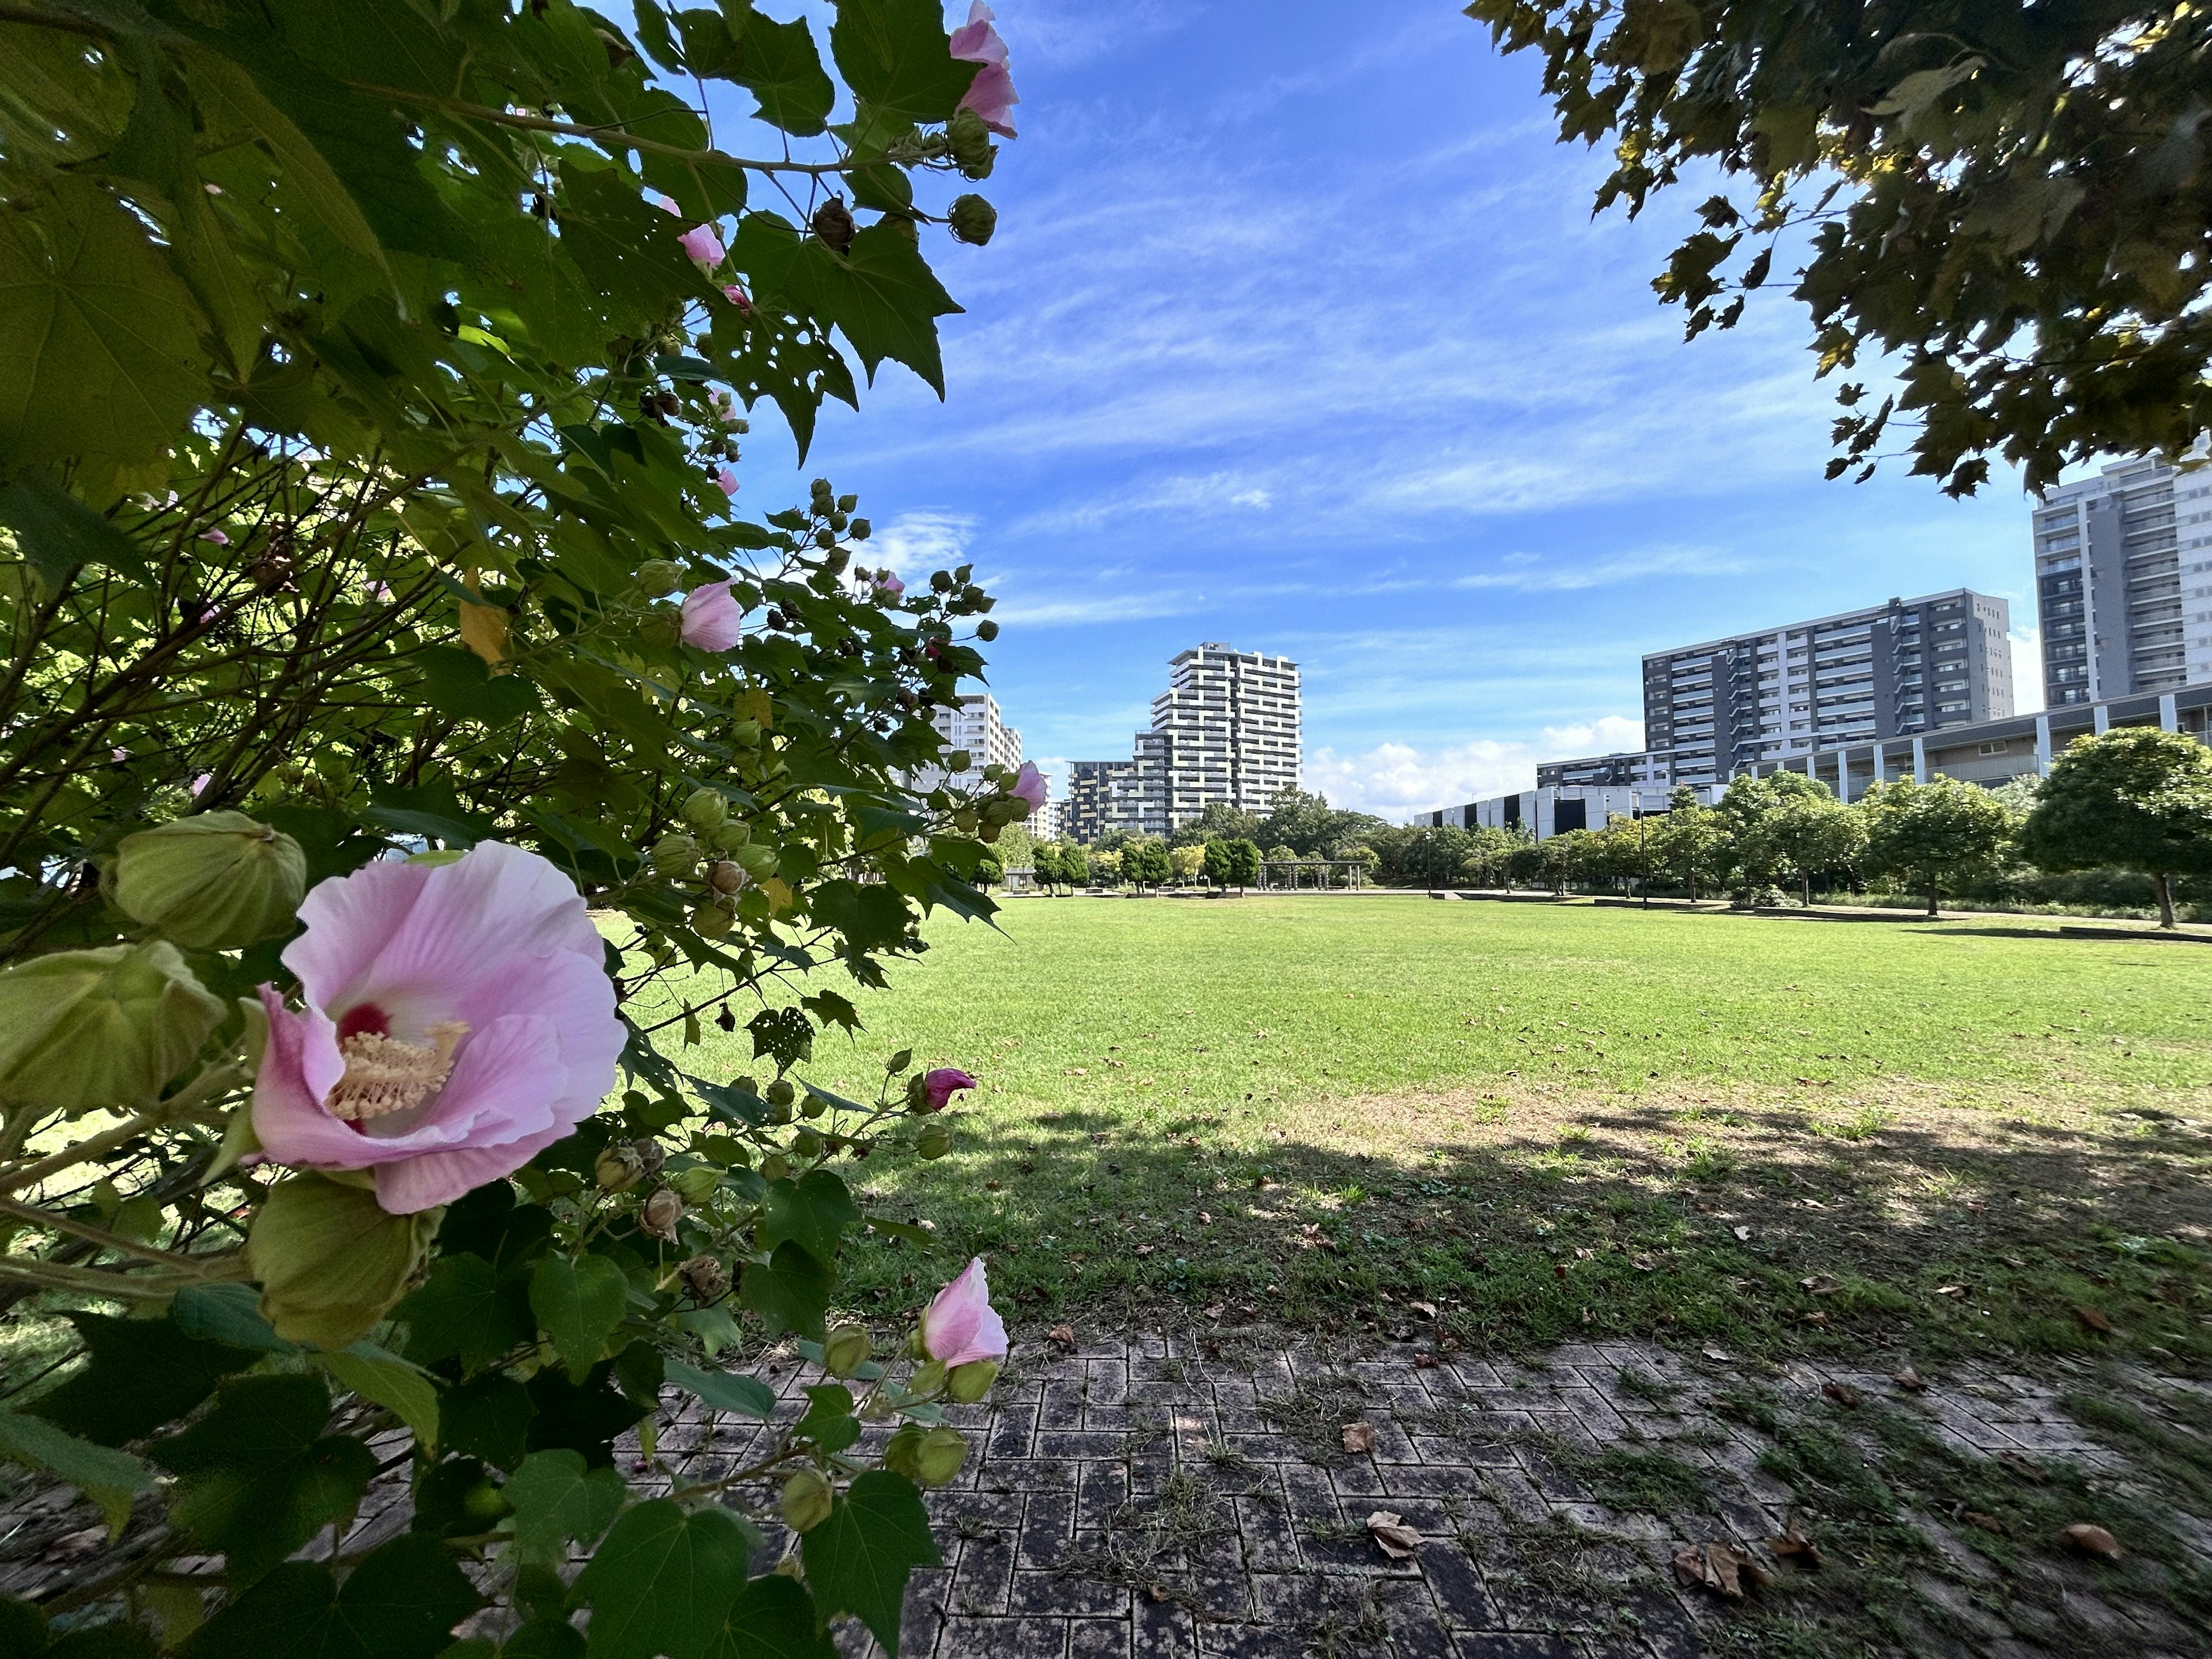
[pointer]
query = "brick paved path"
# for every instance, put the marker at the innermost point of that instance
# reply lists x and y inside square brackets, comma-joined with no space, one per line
[1139,1499]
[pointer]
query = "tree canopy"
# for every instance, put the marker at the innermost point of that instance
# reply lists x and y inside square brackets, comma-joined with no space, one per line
[2134,799]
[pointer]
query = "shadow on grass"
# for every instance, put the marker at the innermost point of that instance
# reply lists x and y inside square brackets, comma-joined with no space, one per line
[1766,1229]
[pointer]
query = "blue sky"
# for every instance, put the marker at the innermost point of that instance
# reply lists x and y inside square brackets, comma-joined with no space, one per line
[1297,333]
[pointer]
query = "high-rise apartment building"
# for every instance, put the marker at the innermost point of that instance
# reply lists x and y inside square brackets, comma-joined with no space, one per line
[1894,670]
[2123,568]
[1227,729]
[973,724]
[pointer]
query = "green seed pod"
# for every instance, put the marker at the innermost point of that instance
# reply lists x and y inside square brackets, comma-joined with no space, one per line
[781,1093]
[84,1029]
[939,1458]
[807,1500]
[927,1379]
[657,578]
[711,921]
[969,1383]
[759,861]
[972,219]
[987,630]
[732,836]
[934,1142]
[211,882]
[861,529]
[675,854]
[969,137]
[774,1167]
[847,503]
[696,1184]
[845,1350]
[662,626]
[958,761]
[705,809]
[812,1106]
[806,1144]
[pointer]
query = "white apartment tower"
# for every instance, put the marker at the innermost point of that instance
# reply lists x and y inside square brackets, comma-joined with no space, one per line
[973,724]
[1229,723]
[2122,572]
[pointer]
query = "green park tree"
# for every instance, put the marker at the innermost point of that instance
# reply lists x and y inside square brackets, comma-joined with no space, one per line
[1934,835]
[1144,863]
[1489,846]
[1816,834]
[1690,844]
[1187,863]
[1075,865]
[2009,201]
[2135,799]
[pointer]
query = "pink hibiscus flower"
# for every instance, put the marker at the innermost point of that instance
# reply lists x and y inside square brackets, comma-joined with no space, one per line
[726,481]
[1029,785]
[459,1020]
[961,1326]
[888,586]
[712,619]
[992,93]
[701,246]
[941,1084]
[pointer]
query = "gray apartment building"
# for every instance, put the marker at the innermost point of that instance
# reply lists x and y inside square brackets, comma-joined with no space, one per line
[2122,572]
[1228,729]
[1909,666]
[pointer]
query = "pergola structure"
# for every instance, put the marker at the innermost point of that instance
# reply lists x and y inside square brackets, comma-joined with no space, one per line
[1323,872]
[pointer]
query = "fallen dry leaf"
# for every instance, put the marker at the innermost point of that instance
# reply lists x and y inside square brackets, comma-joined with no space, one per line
[1742,1234]
[1721,1568]
[1216,1311]
[1063,1334]
[1950,1290]
[1841,1393]
[1359,1438]
[1819,1285]
[2092,1541]
[1986,1522]
[2092,1319]
[1073,1071]
[1426,1310]
[1910,1380]
[1795,1543]
[1643,1264]
[1399,1541]
[1717,1353]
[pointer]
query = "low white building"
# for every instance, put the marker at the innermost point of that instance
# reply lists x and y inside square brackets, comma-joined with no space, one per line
[973,724]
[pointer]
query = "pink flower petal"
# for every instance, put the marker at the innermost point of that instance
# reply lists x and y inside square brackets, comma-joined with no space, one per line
[889,585]
[701,246]
[992,93]
[943,1084]
[960,1325]
[726,481]
[215,536]
[712,619]
[1029,785]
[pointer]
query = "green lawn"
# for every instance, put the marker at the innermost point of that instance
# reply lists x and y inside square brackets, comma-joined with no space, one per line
[1543,1119]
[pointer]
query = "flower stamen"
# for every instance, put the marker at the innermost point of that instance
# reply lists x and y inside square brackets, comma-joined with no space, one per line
[387,1074]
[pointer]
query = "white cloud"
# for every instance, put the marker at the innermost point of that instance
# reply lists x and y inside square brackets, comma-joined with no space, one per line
[1396,780]
[919,541]
[1526,575]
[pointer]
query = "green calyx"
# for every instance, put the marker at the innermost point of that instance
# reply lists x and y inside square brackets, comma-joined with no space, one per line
[806,1499]
[211,882]
[332,1261]
[973,219]
[86,1029]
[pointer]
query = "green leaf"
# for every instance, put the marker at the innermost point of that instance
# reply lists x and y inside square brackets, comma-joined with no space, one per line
[58,532]
[583,1417]
[401,1602]
[578,1304]
[390,1382]
[557,1501]
[258,1476]
[138,1375]
[896,55]
[817,1210]
[110,1478]
[871,916]
[101,339]
[777,62]
[790,1290]
[664,1583]
[461,1312]
[828,1422]
[859,1559]
[459,684]
[488,1417]
[772,1619]
[889,304]
[748,1396]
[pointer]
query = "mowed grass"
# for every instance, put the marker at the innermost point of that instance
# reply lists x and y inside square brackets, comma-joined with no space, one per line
[1500,1124]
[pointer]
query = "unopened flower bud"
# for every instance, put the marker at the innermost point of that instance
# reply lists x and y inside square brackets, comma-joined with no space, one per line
[806,1144]
[731,836]
[934,1142]
[663,626]
[698,1183]
[745,734]
[972,219]
[618,1168]
[774,1167]
[812,1106]
[969,1383]
[987,630]
[657,578]
[711,921]
[901,1452]
[958,761]
[707,1277]
[651,1154]
[211,882]
[661,1212]
[724,876]
[845,1350]
[705,809]
[833,223]
[847,503]
[860,531]
[928,1377]
[675,855]
[781,1093]
[939,1456]
[807,1500]
[968,138]
[758,861]
[85,1029]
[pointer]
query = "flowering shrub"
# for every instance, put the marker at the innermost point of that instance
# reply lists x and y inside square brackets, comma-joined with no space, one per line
[406,746]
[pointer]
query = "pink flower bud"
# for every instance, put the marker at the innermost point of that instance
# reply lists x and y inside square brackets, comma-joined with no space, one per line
[701,246]
[961,1327]
[1029,785]
[215,536]
[888,586]
[736,296]
[992,93]
[941,1084]
[726,481]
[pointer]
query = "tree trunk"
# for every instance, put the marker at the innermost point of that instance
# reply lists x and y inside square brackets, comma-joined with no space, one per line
[2165,898]
[1934,914]
[1805,889]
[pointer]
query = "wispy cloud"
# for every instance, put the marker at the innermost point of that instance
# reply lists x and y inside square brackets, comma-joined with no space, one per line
[1396,779]
[1528,573]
